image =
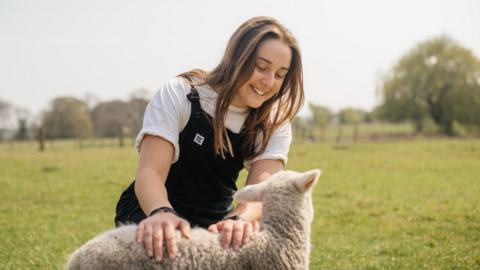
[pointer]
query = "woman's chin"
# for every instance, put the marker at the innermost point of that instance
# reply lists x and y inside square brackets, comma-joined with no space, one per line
[255,105]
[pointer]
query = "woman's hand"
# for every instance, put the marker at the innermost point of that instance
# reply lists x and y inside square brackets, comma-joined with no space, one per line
[235,233]
[158,229]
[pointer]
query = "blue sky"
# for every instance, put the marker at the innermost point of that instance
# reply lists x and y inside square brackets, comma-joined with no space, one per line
[111,48]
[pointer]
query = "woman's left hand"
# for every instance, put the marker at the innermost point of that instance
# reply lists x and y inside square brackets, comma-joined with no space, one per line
[235,233]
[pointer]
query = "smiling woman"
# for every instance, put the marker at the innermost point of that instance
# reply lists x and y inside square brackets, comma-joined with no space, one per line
[273,60]
[202,128]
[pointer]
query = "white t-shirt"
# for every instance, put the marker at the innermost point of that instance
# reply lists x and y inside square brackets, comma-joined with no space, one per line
[168,112]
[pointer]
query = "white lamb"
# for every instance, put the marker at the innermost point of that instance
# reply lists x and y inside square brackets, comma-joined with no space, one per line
[282,243]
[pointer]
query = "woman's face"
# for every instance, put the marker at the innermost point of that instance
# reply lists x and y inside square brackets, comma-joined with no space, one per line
[272,64]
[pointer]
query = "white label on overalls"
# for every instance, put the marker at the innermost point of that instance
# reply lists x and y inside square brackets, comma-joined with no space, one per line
[198,139]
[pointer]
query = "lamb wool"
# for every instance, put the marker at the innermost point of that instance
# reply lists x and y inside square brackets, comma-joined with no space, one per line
[282,243]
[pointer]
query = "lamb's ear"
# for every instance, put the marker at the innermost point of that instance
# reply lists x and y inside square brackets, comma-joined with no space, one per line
[251,193]
[307,180]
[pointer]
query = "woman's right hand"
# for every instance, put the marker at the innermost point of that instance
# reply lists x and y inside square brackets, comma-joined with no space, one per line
[158,229]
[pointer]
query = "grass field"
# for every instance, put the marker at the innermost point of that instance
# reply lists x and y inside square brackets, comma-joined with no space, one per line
[396,205]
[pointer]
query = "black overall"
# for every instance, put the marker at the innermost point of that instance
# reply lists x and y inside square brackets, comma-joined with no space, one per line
[200,184]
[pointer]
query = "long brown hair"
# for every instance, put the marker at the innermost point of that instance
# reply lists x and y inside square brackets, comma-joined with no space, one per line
[236,67]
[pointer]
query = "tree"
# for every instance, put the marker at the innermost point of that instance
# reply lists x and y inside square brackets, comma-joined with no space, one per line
[40,136]
[351,116]
[4,111]
[5,114]
[136,108]
[437,80]
[23,116]
[68,117]
[300,127]
[321,117]
[109,118]
[117,117]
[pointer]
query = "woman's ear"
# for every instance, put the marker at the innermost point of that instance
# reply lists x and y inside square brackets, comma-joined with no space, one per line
[251,193]
[307,180]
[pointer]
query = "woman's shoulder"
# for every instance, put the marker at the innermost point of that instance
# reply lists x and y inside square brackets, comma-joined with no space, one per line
[173,91]
[176,85]
[181,86]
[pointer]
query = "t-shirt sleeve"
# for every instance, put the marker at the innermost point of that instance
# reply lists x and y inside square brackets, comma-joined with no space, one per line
[277,147]
[166,115]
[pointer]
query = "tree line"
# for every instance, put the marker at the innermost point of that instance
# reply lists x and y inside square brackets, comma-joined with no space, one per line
[435,86]
[436,83]
[71,117]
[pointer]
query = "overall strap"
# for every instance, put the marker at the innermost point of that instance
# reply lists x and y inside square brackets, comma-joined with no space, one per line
[194,98]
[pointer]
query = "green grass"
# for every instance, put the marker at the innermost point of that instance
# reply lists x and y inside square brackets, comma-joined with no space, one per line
[396,205]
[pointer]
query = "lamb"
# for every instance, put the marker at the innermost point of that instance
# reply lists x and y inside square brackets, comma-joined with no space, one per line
[283,241]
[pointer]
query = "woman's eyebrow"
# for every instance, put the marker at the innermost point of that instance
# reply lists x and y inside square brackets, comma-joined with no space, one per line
[270,62]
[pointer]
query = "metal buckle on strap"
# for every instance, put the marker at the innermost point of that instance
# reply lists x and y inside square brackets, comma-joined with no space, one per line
[193,95]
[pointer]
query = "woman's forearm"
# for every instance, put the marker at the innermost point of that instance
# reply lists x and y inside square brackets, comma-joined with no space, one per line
[156,155]
[150,191]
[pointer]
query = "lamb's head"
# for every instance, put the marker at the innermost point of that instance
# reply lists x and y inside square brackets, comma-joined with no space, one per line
[285,191]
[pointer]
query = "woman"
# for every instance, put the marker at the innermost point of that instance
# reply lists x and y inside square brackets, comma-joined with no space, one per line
[200,130]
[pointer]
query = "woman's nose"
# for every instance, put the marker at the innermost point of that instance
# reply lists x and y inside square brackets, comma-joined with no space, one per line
[268,80]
